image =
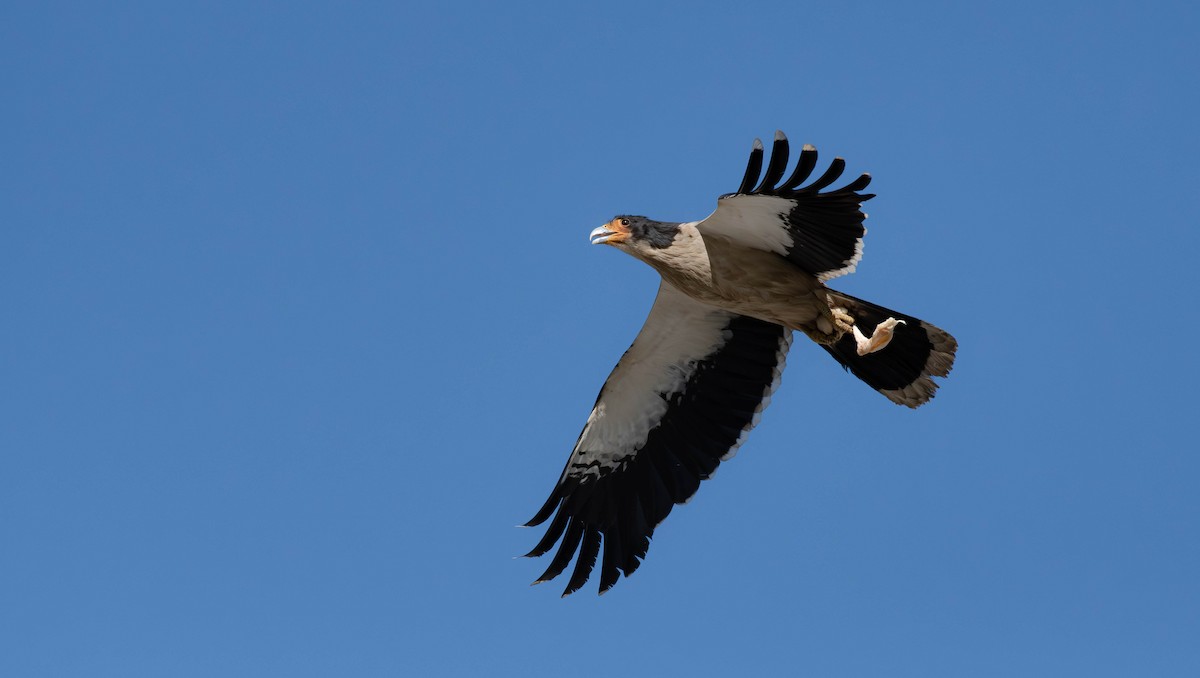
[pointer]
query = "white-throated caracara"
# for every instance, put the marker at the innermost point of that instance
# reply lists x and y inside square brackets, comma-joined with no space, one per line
[697,377]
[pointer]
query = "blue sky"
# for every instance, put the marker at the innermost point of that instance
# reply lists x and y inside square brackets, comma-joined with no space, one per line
[300,319]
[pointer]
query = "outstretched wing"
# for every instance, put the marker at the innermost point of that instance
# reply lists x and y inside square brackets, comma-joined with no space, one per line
[821,233]
[680,401]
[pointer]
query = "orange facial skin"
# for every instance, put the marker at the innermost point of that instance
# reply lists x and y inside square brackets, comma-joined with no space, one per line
[614,232]
[620,229]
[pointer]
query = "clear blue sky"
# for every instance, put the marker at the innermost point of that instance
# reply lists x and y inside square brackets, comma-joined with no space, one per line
[299,320]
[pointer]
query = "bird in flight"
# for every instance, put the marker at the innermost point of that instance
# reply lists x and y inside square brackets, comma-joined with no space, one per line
[734,287]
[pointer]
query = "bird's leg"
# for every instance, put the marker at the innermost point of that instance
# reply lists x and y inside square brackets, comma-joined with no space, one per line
[881,337]
[830,328]
[842,320]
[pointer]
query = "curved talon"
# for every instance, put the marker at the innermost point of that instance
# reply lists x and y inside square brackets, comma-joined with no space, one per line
[843,322]
[880,338]
[830,329]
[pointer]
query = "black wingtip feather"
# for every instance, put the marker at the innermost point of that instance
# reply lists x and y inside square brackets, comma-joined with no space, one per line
[546,509]
[804,167]
[553,532]
[753,167]
[778,163]
[831,175]
[585,561]
[613,556]
[566,549]
[859,184]
[769,183]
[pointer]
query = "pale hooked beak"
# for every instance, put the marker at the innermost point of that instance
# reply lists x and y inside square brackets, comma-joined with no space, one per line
[601,235]
[612,233]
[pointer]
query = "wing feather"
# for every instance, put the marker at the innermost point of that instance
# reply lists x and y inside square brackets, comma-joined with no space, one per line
[821,232]
[553,532]
[680,400]
[804,167]
[778,163]
[753,167]
[831,175]
[585,561]
[566,550]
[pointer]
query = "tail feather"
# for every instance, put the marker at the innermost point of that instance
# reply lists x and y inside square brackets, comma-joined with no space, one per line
[904,369]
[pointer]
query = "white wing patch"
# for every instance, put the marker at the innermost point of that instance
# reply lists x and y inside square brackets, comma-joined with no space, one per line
[681,400]
[818,230]
[678,334]
[752,220]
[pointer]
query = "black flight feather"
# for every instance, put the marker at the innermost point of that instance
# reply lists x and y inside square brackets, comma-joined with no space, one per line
[804,167]
[831,175]
[553,532]
[585,562]
[753,167]
[778,163]
[566,549]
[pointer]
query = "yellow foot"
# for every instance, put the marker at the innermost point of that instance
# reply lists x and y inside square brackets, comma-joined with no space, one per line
[842,320]
[881,337]
[829,329]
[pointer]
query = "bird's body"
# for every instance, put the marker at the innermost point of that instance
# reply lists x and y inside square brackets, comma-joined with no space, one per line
[703,368]
[715,270]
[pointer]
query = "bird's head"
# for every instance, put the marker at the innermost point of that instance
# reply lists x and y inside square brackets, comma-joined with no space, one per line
[635,234]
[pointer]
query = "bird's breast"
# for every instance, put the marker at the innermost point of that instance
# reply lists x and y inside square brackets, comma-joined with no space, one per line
[748,281]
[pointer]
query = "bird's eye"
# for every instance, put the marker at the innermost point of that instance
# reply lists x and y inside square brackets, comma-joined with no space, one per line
[624,222]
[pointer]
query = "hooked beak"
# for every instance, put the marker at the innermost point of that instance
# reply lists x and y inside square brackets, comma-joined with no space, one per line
[609,234]
[600,235]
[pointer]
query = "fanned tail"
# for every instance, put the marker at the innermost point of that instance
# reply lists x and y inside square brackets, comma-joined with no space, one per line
[904,368]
